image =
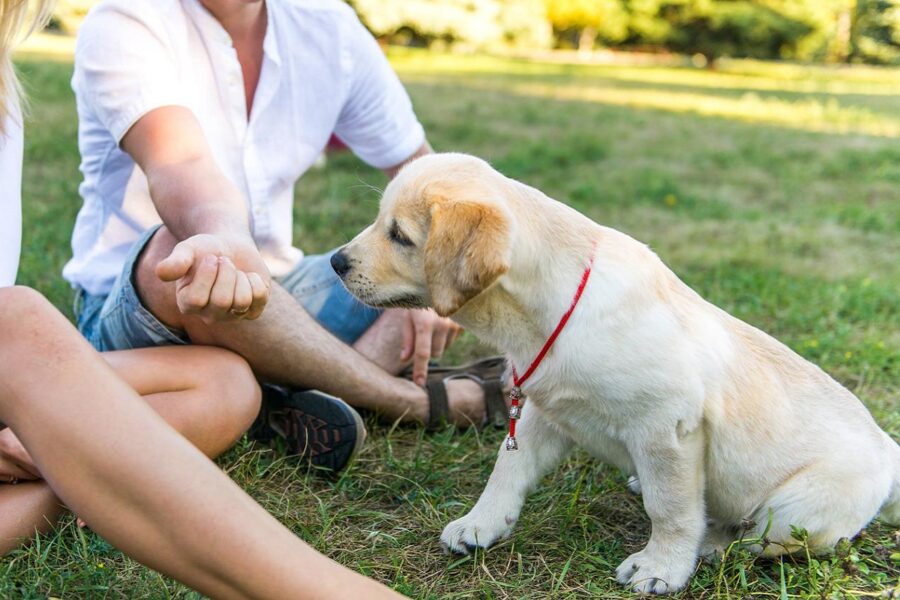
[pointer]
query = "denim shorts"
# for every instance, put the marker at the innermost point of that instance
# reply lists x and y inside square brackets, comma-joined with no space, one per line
[118,321]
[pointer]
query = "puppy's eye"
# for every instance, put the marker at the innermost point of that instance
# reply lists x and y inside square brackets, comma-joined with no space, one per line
[398,237]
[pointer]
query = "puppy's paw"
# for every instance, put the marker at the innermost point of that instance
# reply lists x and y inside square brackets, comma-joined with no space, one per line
[654,573]
[475,531]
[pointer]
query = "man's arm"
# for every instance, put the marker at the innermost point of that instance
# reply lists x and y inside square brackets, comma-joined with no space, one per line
[424,149]
[217,268]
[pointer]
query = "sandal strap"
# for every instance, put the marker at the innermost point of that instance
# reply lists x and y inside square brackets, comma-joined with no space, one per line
[494,402]
[438,405]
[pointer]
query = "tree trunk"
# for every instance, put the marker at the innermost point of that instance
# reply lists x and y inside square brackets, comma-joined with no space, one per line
[842,36]
[586,40]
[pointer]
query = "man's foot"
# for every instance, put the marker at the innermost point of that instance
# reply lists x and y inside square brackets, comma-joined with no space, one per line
[313,425]
[468,395]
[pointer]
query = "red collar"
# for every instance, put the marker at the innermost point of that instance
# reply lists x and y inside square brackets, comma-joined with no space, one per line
[515,393]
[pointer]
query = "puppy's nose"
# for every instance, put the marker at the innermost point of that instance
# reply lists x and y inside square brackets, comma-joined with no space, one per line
[339,263]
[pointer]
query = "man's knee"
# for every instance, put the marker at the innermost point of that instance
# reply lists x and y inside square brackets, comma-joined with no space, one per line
[156,295]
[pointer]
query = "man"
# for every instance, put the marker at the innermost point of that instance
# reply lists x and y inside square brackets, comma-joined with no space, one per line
[202,114]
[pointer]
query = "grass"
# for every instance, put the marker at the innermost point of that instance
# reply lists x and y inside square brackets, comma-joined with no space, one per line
[772,189]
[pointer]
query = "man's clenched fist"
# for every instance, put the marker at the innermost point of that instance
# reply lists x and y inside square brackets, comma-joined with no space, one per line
[218,277]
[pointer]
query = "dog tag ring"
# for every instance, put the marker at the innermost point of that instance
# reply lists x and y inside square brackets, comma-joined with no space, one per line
[515,396]
[515,412]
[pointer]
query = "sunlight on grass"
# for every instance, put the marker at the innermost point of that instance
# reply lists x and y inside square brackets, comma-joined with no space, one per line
[807,114]
[803,102]
[730,73]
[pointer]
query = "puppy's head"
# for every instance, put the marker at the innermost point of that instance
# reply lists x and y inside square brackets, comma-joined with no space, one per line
[442,237]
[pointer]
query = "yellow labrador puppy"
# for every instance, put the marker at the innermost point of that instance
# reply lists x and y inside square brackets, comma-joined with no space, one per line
[725,427]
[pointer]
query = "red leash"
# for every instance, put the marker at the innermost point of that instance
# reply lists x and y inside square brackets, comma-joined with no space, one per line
[515,393]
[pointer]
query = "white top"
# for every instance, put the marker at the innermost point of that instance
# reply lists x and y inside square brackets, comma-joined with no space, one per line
[322,72]
[11,144]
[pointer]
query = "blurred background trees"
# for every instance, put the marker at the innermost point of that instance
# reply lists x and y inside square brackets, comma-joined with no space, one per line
[832,31]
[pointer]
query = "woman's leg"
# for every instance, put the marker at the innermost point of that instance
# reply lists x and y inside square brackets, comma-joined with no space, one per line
[25,508]
[140,484]
[206,394]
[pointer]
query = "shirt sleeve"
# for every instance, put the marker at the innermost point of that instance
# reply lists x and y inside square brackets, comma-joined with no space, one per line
[11,143]
[124,65]
[377,120]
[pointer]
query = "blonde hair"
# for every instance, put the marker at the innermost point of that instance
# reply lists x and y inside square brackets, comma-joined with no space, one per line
[17,20]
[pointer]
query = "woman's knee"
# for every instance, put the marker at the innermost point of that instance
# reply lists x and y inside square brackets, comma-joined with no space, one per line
[30,324]
[233,386]
[22,307]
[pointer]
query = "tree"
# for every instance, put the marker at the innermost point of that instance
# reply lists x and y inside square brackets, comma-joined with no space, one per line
[589,19]
[875,31]
[472,24]
[716,28]
[739,28]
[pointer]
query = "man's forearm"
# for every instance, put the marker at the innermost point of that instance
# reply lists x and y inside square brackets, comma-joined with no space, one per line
[194,197]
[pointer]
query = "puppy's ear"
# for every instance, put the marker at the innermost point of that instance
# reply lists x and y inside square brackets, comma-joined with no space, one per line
[468,248]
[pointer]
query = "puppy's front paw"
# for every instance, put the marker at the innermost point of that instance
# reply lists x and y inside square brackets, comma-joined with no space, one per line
[655,573]
[475,531]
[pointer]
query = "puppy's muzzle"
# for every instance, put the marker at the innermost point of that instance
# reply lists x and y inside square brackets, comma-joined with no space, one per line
[340,264]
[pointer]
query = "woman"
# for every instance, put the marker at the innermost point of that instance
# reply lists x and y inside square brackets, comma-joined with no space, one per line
[78,430]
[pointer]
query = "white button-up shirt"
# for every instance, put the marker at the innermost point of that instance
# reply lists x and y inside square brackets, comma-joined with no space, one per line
[10,197]
[322,73]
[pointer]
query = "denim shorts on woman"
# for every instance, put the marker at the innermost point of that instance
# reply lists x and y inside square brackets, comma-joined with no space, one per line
[119,321]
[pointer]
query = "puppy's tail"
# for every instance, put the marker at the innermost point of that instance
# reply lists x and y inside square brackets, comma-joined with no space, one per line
[890,512]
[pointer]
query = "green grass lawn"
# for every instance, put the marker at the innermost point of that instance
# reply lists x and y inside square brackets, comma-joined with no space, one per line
[774,190]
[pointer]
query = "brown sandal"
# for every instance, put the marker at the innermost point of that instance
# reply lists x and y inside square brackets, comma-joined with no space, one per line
[487,373]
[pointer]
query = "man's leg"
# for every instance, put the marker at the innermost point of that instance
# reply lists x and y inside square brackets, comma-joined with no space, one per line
[286,345]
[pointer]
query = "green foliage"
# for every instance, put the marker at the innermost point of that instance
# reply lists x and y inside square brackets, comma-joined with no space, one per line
[809,30]
[876,31]
[467,23]
[589,19]
[736,28]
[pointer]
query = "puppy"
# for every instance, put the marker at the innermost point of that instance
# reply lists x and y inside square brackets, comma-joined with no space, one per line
[726,428]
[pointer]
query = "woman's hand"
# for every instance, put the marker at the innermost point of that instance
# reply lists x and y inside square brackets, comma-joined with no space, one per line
[15,462]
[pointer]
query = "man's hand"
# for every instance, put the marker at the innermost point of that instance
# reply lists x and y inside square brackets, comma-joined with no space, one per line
[218,277]
[15,462]
[426,335]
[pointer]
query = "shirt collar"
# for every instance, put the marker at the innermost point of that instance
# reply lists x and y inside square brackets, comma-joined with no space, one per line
[270,42]
[210,27]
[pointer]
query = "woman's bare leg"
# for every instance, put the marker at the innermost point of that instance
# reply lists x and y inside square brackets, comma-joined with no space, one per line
[140,484]
[205,393]
[26,508]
